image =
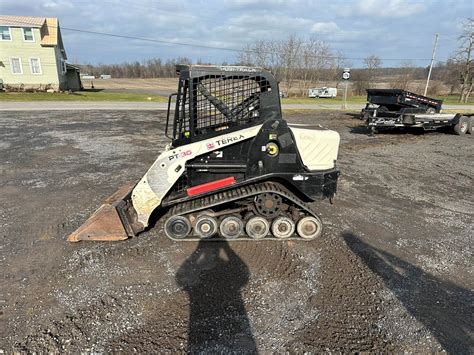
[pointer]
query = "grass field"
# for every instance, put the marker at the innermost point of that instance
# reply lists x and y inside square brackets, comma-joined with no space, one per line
[80,96]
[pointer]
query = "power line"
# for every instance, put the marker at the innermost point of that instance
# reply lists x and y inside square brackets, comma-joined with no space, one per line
[230,49]
[162,41]
[219,48]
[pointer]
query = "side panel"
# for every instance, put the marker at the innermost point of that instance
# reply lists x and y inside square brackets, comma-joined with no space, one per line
[318,148]
[170,165]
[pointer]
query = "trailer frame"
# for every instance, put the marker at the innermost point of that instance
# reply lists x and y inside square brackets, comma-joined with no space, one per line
[461,123]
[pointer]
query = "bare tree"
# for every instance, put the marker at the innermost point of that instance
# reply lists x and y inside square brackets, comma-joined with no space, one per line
[245,56]
[405,77]
[448,73]
[292,60]
[275,60]
[365,78]
[338,64]
[464,58]
[372,63]
[316,56]
[290,51]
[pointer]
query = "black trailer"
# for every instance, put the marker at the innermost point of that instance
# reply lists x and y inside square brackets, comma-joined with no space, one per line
[459,123]
[399,102]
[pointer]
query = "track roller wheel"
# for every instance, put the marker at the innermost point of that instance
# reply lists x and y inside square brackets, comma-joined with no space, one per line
[257,227]
[205,226]
[231,227]
[177,227]
[309,227]
[283,227]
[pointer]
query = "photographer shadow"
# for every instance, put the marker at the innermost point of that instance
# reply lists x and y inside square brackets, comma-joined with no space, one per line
[214,276]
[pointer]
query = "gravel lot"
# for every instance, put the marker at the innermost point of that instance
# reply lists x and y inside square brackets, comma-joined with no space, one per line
[392,272]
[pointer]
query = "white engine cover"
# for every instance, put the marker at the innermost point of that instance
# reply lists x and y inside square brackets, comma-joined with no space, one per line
[318,148]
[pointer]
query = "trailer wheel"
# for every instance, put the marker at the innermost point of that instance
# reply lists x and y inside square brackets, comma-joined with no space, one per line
[372,131]
[462,126]
[470,126]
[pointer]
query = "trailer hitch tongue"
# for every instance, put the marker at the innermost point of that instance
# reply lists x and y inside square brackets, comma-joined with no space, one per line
[110,222]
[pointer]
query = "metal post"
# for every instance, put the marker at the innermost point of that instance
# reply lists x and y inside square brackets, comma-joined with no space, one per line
[344,104]
[431,65]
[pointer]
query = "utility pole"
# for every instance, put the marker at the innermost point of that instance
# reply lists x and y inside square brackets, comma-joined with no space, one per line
[431,65]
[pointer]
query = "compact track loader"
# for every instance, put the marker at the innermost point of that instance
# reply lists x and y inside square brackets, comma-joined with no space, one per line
[234,169]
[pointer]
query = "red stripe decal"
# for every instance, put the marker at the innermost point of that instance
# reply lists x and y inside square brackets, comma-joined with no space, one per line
[209,186]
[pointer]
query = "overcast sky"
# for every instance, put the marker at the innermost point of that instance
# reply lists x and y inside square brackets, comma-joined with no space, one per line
[391,29]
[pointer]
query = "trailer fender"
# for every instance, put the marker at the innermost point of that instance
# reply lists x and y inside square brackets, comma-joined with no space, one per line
[456,119]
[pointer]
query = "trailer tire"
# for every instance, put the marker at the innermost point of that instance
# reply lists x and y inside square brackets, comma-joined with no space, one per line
[470,126]
[461,127]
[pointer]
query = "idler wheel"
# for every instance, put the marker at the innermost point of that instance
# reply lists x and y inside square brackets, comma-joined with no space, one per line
[268,204]
[283,227]
[257,227]
[231,227]
[177,227]
[205,226]
[309,227]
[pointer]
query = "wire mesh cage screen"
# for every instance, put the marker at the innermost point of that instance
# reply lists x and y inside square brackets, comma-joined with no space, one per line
[220,101]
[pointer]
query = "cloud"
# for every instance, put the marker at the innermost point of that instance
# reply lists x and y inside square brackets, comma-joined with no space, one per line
[53,5]
[382,8]
[324,27]
[252,3]
[350,26]
[248,28]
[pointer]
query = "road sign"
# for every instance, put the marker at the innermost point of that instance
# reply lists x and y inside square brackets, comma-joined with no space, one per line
[347,74]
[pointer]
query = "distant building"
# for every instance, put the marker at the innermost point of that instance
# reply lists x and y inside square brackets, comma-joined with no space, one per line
[32,54]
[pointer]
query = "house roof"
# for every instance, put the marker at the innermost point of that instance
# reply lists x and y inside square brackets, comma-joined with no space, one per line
[49,27]
[72,66]
[21,21]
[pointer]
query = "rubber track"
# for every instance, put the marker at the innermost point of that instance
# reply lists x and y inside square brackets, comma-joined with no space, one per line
[234,195]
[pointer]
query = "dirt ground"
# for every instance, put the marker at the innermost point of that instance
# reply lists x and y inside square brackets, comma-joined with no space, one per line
[393,270]
[156,86]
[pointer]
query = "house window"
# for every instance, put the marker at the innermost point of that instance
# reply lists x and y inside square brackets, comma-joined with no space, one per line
[35,66]
[15,64]
[28,34]
[63,66]
[5,34]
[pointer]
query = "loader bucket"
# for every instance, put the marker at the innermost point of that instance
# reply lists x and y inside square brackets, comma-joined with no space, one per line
[109,222]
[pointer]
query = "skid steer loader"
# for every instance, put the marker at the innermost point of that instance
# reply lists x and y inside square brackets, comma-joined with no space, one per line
[234,168]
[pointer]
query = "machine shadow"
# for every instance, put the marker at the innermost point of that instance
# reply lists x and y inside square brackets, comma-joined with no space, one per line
[213,276]
[445,308]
